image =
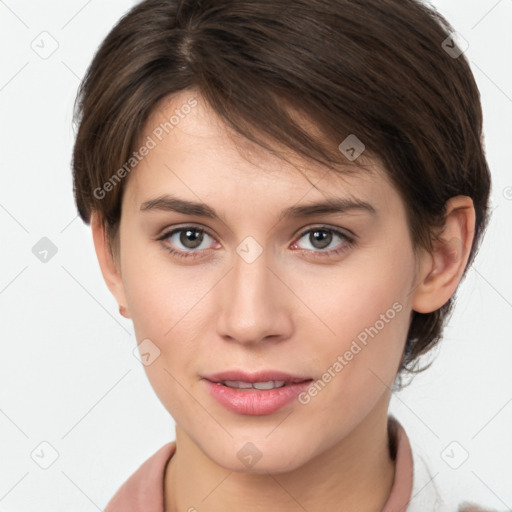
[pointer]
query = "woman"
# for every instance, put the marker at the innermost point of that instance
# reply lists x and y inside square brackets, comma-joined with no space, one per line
[284,196]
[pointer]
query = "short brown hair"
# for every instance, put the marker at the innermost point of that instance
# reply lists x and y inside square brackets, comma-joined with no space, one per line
[378,69]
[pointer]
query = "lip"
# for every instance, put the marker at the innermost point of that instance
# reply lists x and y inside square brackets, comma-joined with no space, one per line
[261,376]
[254,402]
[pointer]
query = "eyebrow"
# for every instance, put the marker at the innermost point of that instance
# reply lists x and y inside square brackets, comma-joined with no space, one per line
[169,203]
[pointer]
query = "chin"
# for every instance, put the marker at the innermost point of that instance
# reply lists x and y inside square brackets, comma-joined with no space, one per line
[259,457]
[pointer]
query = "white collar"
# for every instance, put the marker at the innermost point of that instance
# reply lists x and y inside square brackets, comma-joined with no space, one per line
[425,494]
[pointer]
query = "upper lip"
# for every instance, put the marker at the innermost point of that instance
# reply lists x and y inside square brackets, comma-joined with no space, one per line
[260,376]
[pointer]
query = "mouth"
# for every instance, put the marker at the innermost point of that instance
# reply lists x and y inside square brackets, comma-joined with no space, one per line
[263,380]
[262,386]
[255,393]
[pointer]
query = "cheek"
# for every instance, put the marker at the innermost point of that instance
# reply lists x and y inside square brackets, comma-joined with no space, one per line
[166,309]
[354,297]
[365,312]
[169,306]
[357,365]
[164,298]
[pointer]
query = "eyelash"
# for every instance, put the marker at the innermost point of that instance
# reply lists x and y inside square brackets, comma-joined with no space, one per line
[348,242]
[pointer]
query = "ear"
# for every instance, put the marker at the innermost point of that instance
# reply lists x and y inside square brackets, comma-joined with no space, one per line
[109,267]
[441,270]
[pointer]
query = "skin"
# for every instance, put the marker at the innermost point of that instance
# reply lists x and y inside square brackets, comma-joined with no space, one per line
[287,310]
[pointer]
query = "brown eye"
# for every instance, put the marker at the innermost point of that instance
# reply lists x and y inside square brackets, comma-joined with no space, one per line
[321,237]
[191,238]
[186,241]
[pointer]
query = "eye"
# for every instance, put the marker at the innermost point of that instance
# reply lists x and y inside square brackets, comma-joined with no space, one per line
[186,241]
[191,241]
[322,237]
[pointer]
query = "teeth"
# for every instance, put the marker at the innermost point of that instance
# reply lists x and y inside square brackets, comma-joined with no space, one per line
[271,384]
[237,384]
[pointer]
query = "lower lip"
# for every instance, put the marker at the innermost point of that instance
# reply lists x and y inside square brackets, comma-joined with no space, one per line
[255,402]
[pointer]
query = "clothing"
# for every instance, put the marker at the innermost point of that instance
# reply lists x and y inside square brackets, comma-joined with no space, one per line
[413,489]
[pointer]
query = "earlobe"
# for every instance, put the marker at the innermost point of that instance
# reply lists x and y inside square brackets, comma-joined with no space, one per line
[442,269]
[109,268]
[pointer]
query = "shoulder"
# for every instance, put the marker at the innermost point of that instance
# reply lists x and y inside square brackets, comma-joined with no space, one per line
[144,489]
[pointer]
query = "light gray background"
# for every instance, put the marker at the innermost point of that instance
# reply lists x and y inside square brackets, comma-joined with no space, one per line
[68,376]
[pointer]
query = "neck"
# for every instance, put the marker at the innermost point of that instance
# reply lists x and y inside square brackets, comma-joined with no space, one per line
[355,475]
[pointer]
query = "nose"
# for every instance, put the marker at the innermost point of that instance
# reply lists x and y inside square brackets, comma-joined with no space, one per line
[254,303]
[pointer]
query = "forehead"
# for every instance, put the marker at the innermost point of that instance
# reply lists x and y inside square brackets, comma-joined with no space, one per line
[195,152]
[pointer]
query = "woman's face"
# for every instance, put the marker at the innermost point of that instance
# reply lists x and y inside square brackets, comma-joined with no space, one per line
[262,284]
